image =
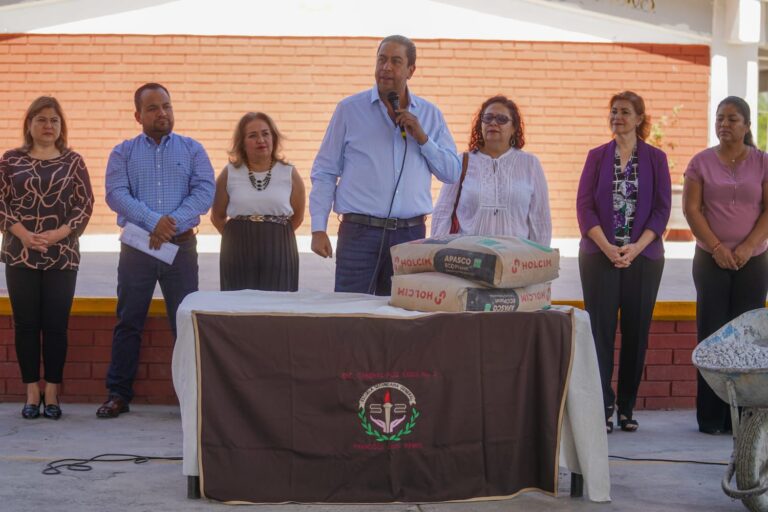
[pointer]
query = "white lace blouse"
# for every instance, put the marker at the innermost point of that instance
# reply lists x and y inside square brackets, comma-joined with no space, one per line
[505,196]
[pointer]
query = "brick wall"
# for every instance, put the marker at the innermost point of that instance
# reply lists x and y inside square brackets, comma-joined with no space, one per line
[669,381]
[561,88]
[669,378]
[88,356]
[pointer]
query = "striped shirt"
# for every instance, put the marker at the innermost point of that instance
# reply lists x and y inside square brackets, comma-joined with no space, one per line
[146,181]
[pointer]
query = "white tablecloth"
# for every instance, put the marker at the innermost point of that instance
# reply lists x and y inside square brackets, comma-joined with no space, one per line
[583,443]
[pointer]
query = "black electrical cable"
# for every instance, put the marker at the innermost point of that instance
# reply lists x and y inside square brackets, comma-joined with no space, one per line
[371,285]
[674,461]
[54,467]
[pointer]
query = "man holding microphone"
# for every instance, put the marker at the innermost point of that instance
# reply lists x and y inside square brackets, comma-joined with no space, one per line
[375,168]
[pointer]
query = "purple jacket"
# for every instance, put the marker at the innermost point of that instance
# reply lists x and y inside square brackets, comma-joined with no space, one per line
[594,201]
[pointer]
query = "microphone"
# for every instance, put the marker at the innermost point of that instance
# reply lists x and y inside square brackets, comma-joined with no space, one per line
[394,100]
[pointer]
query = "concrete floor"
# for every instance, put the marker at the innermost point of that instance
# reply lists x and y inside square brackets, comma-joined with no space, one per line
[27,445]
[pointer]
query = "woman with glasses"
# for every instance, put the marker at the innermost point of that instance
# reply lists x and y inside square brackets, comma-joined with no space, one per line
[622,205]
[502,190]
[45,205]
[258,205]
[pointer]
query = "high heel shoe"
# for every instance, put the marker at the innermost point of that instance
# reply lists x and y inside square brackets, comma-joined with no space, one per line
[31,411]
[51,411]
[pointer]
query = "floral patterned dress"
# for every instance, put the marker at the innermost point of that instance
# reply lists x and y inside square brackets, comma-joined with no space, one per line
[624,197]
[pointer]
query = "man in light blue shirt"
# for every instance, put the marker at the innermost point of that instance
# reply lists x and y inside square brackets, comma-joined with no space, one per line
[161,182]
[375,168]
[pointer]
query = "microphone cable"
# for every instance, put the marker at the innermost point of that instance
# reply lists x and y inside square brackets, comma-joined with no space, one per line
[668,461]
[371,287]
[54,467]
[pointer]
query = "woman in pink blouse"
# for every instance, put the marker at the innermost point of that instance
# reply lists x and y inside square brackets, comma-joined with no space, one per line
[45,204]
[502,190]
[724,198]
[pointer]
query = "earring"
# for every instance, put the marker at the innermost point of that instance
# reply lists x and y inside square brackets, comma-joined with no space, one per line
[512,142]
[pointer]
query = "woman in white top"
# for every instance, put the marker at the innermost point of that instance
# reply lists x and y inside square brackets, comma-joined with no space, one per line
[504,191]
[259,203]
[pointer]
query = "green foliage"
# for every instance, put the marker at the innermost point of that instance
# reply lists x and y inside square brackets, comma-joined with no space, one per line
[379,437]
[658,133]
[762,121]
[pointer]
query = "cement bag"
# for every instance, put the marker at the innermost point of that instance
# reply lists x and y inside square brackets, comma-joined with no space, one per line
[433,291]
[501,262]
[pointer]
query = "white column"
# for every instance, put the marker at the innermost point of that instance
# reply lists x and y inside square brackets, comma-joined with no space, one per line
[734,67]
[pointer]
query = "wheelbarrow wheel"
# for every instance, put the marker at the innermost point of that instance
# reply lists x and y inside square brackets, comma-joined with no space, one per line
[752,456]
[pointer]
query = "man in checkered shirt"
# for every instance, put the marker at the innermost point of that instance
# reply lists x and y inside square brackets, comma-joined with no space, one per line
[161,182]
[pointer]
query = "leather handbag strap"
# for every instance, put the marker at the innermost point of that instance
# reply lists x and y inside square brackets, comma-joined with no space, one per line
[464,163]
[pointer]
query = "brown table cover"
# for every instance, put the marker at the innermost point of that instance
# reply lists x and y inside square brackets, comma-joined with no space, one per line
[355,409]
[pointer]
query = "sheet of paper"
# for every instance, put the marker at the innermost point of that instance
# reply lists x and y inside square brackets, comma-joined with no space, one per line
[138,238]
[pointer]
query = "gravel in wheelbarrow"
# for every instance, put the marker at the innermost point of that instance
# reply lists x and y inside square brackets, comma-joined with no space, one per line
[734,362]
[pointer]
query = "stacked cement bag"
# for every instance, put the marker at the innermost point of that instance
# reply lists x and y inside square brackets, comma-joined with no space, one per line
[473,273]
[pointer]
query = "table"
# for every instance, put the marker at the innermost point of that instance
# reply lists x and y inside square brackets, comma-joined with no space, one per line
[583,444]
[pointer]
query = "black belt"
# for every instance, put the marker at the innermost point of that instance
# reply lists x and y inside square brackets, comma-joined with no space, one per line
[379,222]
[183,237]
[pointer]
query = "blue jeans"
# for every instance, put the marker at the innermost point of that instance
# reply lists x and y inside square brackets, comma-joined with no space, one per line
[363,261]
[137,275]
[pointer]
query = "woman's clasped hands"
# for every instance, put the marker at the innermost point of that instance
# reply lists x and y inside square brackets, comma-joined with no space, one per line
[622,256]
[35,241]
[732,259]
[41,241]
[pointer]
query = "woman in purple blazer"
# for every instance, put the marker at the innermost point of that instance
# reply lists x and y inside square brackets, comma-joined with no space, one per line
[623,207]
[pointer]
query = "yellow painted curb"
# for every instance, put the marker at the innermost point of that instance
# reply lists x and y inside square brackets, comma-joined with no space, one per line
[663,311]
[106,306]
[93,306]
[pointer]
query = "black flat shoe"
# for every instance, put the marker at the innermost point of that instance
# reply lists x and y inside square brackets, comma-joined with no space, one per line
[713,431]
[30,411]
[52,411]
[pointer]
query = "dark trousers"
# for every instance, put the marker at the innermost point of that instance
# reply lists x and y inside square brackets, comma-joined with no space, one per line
[137,275]
[632,290]
[721,296]
[41,301]
[363,261]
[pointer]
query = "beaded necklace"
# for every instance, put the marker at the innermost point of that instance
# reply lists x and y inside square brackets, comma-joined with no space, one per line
[261,183]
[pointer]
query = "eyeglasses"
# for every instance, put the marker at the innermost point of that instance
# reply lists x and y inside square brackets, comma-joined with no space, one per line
[500,119]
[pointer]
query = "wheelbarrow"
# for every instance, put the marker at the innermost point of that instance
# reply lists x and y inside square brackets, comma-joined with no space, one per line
[746,388]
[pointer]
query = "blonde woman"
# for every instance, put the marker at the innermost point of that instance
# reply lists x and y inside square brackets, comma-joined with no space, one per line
[259,203]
